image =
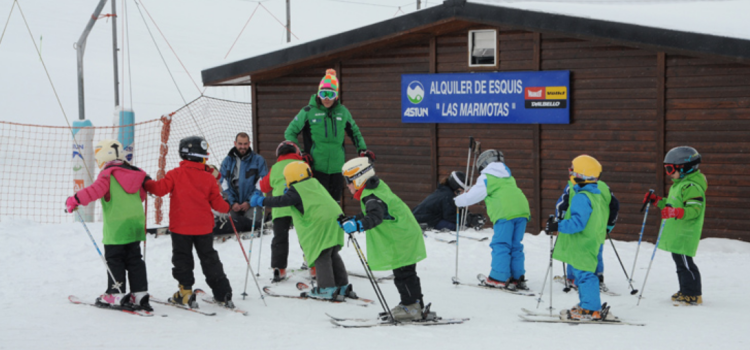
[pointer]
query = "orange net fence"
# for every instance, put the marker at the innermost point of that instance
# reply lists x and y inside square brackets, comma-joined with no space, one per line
[39,167]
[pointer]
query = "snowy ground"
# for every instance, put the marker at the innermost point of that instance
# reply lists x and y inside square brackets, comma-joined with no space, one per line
[43,264]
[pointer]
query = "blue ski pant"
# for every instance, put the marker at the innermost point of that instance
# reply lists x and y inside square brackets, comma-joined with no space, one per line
[588,289]
[507,249]
[599,267]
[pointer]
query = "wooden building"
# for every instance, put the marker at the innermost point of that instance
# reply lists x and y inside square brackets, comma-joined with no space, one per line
[636,92]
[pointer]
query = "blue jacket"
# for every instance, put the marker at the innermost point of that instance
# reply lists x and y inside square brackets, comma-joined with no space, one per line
[580,210]
[252,169]
[563,203]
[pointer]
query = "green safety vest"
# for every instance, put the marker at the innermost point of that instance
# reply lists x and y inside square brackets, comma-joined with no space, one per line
[682,236]
[505,200]
[581,249]
[398,240]
[603,188]
[124,219]
[318,228]
[278,183]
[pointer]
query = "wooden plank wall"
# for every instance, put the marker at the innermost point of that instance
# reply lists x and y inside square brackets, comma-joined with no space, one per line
[627,106]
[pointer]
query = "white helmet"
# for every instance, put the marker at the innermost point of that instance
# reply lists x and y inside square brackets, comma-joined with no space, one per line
[107,151]
[358,171]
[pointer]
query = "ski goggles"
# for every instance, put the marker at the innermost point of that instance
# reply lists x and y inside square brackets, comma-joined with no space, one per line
[581,176]
[672,168]
[327,94]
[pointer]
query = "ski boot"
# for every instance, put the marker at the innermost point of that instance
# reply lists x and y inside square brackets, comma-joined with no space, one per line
[140,301]
[113,300]
[498,284]
[347,291]
[688,300]
[278,275]
[580,314]
[677,296]
[603,287]
[227,302]
[520,283]
[184,296]
[411,312]
[329,293]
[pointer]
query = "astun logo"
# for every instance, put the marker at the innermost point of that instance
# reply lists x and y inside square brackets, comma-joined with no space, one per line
[415,92]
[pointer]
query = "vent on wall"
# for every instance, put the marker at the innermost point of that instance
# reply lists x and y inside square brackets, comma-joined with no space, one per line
[482,48]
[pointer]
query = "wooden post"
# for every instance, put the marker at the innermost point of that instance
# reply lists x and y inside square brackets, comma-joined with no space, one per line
[254,101]
[660,120]
[434,126]
[537,157]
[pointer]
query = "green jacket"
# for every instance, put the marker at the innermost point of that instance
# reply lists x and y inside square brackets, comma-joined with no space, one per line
[123,215]
[278,183]
[505,200]
[318,228]
[398,240]
[580,249]
[682,236]
[323,132]
[605,192]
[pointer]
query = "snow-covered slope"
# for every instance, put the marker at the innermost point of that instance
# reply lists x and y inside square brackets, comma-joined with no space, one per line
[43,264]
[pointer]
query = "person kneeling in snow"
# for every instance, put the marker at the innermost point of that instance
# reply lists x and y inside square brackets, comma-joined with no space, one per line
[314,213]
[120,187]
[509,211]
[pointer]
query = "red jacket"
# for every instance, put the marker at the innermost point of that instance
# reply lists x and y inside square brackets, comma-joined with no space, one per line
[265,183]
[194,192]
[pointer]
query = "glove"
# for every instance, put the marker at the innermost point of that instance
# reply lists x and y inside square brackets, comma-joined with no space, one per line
[652,198]
[368,154]
[669,212]
[72,203]
[610,228]
[308,159]
[552,226]
[351,226]
[257,199]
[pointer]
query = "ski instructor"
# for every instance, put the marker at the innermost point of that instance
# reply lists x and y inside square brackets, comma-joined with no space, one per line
[323,123]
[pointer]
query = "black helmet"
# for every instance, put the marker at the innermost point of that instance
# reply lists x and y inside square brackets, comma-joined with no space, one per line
[194,149]
[457,180]
[684,159]
[487,157]
[287,147]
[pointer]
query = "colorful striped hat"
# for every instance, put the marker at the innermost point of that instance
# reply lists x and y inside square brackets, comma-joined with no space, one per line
[329,82]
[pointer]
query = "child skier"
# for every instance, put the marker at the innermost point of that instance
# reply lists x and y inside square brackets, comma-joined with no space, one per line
[314,213]
[582,235]
[682,231]
[287,152]
[509,211]
[562,212]
[120,187]
[194,192]
[394,238]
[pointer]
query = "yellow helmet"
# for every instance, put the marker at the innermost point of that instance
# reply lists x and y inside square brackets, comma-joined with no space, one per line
[358,171]
[296,171]
[107,151]
[586,169]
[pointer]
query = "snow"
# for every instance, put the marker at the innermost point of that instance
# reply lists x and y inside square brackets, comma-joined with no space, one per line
[715,17]
[43,264]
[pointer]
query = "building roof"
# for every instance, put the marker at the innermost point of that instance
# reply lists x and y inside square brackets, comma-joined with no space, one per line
[457,13]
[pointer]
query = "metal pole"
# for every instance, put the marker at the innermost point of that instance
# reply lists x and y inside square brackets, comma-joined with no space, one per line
[114,52]
[288,22]
[80,49]
[419,4]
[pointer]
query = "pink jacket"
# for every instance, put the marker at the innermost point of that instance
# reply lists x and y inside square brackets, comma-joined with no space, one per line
[129,177]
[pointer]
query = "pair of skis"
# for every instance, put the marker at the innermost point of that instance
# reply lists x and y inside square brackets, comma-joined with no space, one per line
[483,284]
[204,297]
[531,316]
[369,322]
[75,300]
[304,296]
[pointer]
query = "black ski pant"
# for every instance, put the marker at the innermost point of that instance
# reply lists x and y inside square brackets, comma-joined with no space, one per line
[408,285]
[126,257]
[183,264]
[280,242]
[330,270]
[334,183]
[688,275]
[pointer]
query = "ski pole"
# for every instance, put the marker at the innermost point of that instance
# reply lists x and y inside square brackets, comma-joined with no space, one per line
[145,228]
[565,275]
[262,227]
[658,238]
[643,226]
[476,150]
[468,161]
[115,284]
[458,229]
[549,268]
[249,269]
[249,252]
[252,234]
[633,291]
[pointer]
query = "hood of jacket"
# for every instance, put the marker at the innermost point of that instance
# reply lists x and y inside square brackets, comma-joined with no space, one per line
[128,176]
[234,153]
[497,169]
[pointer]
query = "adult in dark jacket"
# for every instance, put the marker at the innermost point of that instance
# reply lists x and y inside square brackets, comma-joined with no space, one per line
[241,170]
[438,210]
[324,123]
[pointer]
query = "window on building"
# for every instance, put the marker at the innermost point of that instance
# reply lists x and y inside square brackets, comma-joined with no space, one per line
[482,48]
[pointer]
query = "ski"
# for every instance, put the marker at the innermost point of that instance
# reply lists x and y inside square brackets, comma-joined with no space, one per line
[379,279]
[482,277]
[303,286]
[453,241]
[209,300]
[561,280]
[75,300]
[303,296]
[548,319]
[183,307]
[367,323]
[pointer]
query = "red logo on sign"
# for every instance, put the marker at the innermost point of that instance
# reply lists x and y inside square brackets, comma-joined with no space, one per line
[78,185]
[535,93]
